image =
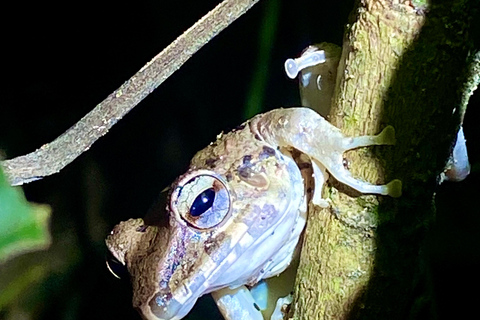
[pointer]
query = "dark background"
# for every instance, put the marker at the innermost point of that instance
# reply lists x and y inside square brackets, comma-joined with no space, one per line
[61,59]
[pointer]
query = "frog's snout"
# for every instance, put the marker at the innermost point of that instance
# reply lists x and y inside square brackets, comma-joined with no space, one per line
[171,309]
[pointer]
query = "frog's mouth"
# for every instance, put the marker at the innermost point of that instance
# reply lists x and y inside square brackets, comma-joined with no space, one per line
[180,286]
[183,274]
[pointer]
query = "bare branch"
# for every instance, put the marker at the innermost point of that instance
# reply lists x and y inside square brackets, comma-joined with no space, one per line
[53,157]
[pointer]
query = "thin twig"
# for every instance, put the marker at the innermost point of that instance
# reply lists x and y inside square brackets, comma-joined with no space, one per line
[54,156]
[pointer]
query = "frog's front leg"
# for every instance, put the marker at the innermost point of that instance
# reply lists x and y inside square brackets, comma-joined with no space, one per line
[458,166]
[248,304]
[308,132]
[237,304]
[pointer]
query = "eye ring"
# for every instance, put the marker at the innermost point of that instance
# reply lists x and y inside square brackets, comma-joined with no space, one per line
[201,199]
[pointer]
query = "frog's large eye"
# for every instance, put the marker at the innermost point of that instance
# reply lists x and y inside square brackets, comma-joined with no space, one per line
[202,200]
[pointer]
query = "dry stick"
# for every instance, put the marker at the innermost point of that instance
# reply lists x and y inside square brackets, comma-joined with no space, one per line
[54,156]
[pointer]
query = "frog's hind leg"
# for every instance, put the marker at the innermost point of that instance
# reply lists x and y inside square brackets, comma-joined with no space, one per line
[386,137]
[306,131]
[393,188]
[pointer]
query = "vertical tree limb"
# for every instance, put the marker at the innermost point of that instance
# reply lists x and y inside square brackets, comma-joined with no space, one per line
[407,68]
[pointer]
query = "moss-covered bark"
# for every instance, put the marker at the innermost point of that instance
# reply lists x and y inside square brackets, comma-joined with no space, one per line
[406,67]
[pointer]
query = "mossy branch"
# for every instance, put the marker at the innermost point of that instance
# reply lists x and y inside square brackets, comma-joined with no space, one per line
[54,156]
[413,69]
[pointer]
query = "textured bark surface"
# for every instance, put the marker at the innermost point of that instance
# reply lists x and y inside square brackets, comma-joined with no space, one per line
[404,67]
[54,156]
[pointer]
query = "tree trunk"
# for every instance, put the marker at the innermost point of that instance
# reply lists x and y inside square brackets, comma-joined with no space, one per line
[407,67]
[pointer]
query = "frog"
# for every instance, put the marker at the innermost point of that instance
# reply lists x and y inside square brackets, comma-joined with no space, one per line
[236,215]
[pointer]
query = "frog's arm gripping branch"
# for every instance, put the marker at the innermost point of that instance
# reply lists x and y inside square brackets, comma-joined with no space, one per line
[311,134]
[53,157]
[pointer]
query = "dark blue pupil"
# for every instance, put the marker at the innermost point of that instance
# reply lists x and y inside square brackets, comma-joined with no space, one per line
[203,202]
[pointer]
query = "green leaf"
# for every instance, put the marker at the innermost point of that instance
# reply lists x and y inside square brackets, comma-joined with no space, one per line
[20,281]
[23,226]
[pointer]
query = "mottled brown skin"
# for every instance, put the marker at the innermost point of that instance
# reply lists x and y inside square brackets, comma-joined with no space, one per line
[250,227]
[162,261]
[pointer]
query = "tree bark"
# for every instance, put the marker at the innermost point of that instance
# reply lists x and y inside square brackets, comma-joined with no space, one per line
[408,67]
[54,156]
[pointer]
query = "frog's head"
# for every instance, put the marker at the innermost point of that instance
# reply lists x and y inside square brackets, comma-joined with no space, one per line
[225,229]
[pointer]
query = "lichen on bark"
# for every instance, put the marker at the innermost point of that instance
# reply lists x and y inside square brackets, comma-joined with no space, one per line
[406,67]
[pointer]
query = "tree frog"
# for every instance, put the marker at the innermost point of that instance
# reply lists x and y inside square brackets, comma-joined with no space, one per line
[236,215]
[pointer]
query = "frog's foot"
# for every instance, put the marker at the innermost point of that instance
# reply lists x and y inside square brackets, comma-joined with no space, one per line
[278,313]
[458,166]
[237,304]
[386,137]
[309,58]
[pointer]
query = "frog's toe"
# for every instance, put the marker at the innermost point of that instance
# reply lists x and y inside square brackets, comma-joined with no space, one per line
[291,68]
[394,188]
[278,313]
[387,136]
[309,58]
